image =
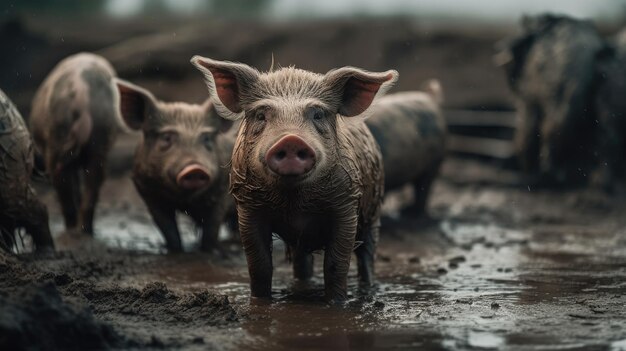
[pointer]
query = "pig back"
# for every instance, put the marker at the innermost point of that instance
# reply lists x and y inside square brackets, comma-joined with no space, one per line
[80,86]
[410,130]
[16,152]
[558,70]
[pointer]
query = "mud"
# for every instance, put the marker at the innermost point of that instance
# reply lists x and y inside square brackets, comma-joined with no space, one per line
[499,266]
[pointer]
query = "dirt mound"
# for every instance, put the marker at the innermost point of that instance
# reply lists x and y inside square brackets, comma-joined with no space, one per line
[155,302]
[50,301]
[37,317]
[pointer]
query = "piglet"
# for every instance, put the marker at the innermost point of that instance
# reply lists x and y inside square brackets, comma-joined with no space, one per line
[304,166]
[411,131]
[74,121]
[181,164]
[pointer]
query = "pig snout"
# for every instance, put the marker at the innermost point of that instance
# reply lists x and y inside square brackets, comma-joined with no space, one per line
[290,156]
[193,177]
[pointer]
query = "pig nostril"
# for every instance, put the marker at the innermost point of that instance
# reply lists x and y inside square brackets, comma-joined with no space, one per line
[303,154]
[290,156]
[281,154]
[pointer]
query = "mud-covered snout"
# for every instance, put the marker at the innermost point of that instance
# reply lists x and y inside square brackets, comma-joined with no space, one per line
[290,156]
[193,177]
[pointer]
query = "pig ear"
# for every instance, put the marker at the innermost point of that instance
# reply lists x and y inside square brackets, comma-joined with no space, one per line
[209,110]
[134,103]
[227,83]
[358,88]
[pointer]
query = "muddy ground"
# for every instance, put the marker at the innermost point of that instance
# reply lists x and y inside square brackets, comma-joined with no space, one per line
[500,266]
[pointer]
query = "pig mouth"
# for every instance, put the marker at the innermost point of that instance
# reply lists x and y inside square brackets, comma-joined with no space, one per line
[193,177]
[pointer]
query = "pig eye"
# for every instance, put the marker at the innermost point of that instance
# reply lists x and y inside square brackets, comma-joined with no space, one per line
[207,140]
[260,116]
[166,140]
[315,113]
[318,115]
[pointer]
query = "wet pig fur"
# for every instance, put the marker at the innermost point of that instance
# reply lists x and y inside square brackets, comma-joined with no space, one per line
[181,164]
[610,108]
[19,206]
[411,131]
[75,122]
[305,167]
[551,69]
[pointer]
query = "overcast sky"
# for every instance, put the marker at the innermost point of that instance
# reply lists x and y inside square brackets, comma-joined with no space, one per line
[489,10]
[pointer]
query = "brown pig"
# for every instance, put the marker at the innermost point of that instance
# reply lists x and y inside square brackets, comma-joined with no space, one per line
[74,120]
[410,130]
[180,165]
[19,206]
[304,167]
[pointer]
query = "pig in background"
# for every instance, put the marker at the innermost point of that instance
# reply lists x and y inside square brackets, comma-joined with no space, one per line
[75,121]
[181,164]
[411,131]
[610,105]
[551,70]
[19,206]
[304,167]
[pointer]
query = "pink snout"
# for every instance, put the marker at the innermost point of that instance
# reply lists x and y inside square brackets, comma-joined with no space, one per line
[290,156]
[193,177]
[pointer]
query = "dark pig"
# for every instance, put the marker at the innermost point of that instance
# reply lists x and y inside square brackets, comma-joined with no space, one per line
[611,114]
[74,120]
[181,163]
[411,131]
[19,206]
[550,68]
[304,167]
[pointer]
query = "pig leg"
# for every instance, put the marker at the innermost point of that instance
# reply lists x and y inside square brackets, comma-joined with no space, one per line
[67,186]
[337,257]
[610,148]
[421,191]
[365,255]
[256,238]
[165,219]
[527,140]
[93,178]
[302,265]
[210,231]
[36,222]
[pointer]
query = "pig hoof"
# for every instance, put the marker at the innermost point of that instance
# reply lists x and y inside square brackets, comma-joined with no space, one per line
[336,301]
[45,251]
[217,253]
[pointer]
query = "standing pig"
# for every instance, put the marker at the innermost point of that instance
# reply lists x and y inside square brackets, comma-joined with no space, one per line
[180,163]
[611,114]
[550,68]
[19,206]
[74,120]
[304,167]
[410,130]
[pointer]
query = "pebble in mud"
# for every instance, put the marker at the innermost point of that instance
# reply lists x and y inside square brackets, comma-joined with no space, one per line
[379,304]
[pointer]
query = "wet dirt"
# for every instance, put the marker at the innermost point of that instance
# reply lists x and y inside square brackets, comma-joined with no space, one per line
[500,266]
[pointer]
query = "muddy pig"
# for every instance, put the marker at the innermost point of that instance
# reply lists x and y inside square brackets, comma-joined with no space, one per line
[19,206]
[611,114]
[74,120]
[550,68]
[181,163]
[410,130]
[305,167]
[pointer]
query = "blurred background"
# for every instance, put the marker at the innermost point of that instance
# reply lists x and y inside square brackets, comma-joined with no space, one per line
[150,43]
